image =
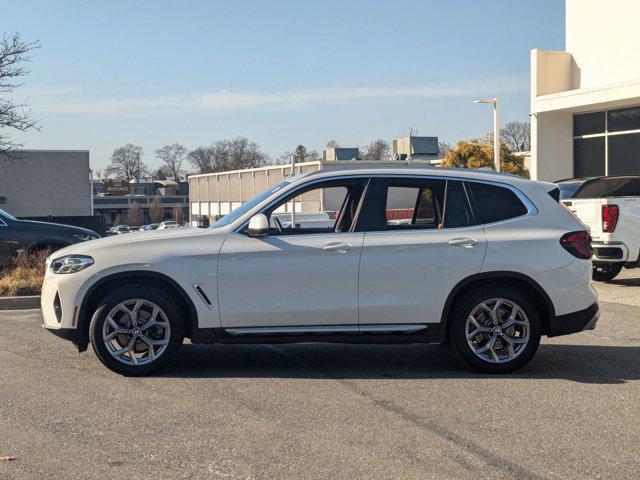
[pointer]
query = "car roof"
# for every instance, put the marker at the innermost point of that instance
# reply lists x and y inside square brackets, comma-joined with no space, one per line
[464,173]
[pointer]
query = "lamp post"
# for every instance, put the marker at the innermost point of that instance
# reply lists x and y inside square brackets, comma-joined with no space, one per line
[496,130]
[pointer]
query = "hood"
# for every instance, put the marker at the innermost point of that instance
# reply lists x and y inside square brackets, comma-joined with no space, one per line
[58,226]
[127,238]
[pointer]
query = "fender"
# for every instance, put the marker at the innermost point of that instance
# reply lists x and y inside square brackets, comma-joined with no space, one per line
[83,314]
[497,275]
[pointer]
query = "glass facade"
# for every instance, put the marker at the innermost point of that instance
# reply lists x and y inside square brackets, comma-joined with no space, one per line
[607,143]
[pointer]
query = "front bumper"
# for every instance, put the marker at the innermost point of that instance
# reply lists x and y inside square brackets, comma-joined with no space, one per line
[574,322]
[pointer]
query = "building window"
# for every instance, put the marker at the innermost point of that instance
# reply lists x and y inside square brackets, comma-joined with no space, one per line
[607,143]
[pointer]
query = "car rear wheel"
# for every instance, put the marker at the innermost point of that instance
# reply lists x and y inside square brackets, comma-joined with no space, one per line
[605,272]
[136,330]
[495,329]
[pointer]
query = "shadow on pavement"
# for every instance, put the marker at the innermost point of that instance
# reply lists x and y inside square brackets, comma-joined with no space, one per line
[578,363]
[626,282]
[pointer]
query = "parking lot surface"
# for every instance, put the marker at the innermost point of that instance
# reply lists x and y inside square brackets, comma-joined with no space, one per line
[326,411]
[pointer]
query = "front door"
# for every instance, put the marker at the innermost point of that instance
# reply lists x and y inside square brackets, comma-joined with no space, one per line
[305,272]
[427,243]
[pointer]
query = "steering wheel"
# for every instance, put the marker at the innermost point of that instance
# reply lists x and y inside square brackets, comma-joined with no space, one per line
[278,224]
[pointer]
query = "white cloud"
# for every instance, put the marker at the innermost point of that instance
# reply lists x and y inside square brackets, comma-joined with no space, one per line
[228,100]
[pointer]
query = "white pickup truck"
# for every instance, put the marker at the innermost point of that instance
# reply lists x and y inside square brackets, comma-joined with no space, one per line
[610,207]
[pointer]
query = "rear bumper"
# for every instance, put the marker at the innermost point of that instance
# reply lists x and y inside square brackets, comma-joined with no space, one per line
[609,252]
[574,322]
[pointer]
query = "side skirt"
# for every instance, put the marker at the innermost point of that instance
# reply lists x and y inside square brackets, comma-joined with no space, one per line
[366,334]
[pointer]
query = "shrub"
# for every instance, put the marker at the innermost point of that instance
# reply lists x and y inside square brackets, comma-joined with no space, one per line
[23,275]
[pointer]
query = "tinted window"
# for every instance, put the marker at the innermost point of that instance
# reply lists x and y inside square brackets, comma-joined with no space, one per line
[593,189]
[624,119]
[414,204]
[624,154]
[495,203]
[588,157]
[624,187]
[456,207]
[568,190]
[588,123]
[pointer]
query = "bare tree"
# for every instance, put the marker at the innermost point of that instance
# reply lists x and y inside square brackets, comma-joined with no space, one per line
[229,154]
[156,210]
[126,162]
[172,157]
[517,136]
[332,144]
[135,215]
[300,154]
[202,159]
[178,215]
[377,150]
[444,148]
[13,53]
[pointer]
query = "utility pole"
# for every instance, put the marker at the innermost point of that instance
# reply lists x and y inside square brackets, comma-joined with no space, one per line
[293,203]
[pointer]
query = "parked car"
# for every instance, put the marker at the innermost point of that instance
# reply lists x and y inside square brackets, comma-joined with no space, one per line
[17,236]
[610,207]
[489,263]
[168,224]
[151,226]
[119,229]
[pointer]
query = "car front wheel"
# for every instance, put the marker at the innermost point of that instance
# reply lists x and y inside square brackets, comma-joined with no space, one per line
[136,330]
[495,329]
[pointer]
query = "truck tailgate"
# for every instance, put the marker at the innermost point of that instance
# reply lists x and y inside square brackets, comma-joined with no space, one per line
[589,211]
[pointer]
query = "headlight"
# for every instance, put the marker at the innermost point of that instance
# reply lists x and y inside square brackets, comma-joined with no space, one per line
[71,264]
[83,236]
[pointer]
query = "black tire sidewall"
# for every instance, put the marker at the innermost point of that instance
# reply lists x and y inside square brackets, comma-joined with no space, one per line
[610,274]
[160,298]
[457,334]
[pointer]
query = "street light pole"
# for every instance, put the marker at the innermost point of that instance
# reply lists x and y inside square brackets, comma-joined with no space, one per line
[496,130]
[293,200]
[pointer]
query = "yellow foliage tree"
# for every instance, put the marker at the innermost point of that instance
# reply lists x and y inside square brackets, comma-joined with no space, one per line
[478,153]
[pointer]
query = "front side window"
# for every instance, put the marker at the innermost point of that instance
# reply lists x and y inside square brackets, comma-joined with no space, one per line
[495,203]
[324,207]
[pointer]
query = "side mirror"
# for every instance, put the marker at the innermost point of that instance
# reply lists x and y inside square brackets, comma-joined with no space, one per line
[258,226]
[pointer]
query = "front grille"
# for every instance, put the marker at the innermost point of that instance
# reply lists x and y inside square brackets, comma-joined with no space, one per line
[57,308]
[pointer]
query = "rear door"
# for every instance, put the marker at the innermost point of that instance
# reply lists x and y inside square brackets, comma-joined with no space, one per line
[425,243]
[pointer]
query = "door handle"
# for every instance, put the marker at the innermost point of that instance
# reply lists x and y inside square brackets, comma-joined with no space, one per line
[337,247]
[464,242]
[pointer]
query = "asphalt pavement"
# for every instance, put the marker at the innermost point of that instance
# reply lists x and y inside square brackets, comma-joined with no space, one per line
[326,411]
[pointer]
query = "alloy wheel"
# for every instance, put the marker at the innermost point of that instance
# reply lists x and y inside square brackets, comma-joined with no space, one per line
[497,330]
[136,332]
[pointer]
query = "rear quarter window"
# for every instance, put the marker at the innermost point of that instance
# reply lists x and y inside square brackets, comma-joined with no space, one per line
[495,203]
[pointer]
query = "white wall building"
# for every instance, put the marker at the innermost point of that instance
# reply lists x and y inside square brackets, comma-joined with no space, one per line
[585,101]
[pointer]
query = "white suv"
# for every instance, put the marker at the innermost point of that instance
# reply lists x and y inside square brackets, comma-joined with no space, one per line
[484,261]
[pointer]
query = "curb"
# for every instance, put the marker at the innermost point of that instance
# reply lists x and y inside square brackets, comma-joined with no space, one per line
[20,303]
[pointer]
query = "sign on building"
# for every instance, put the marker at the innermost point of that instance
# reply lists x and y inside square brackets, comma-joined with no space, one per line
[117,187]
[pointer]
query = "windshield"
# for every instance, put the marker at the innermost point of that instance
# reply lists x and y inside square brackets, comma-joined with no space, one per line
[568,190]
[244,208]
[7,216]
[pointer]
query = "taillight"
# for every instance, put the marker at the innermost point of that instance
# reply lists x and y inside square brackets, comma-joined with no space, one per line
[609,217]
[577,244]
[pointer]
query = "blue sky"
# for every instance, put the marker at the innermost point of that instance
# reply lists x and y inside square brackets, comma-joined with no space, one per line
[279,72]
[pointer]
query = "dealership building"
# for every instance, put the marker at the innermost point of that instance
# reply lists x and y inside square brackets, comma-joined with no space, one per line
[585,101]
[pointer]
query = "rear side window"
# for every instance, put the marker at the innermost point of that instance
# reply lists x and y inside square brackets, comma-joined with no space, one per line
[624,187]
[495,203]
[592,189]
[456,206]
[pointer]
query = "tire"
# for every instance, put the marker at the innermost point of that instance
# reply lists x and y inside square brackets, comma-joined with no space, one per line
[497,357]
[605,272]
[141,348]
